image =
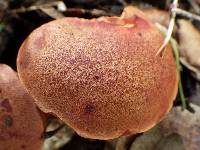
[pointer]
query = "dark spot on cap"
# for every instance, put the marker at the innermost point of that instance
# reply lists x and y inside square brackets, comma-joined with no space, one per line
[23,146]
[140,34]
[8,121]
[89,108]
[6,105]
[161,54]
[96,77]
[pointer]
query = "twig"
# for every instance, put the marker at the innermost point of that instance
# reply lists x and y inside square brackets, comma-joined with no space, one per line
[186,14]
[194,5]
[170,27]
[175,46]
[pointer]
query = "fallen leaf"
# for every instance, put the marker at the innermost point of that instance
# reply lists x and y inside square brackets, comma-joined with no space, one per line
[124,143]
[171,142]
[194,70]
[195,96]
[180,130]
[52,12]
[148,140]
[186,124]
[189,40]
[62,137]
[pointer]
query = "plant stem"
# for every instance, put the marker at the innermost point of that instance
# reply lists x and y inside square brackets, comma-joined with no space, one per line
[180,87]
[175,46]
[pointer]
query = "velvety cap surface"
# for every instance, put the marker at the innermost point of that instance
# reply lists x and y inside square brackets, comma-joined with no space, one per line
[101,76]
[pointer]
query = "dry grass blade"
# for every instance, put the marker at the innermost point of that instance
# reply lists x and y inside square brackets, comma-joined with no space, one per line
[186,14]
[170,28]
[180,87]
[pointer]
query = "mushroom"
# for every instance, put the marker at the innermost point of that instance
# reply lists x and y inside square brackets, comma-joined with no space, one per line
[100,76]
[21,125]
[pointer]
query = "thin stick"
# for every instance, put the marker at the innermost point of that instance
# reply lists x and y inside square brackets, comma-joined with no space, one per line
[194,5]
[186,14]
[170,28]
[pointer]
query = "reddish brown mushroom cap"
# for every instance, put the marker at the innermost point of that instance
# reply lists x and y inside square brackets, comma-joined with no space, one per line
[101,76]
[21,125]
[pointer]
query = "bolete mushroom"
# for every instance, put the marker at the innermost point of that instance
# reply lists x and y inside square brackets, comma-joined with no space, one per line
[21,125]
[100,76]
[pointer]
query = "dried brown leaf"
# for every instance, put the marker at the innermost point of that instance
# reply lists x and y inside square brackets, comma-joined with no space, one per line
[194,70]
[62,137]
[186,124]
[189,40]
[52,12]
[158,138]
[180,130]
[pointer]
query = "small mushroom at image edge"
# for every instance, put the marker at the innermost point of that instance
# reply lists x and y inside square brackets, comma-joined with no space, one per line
[102,76]
[21,125]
